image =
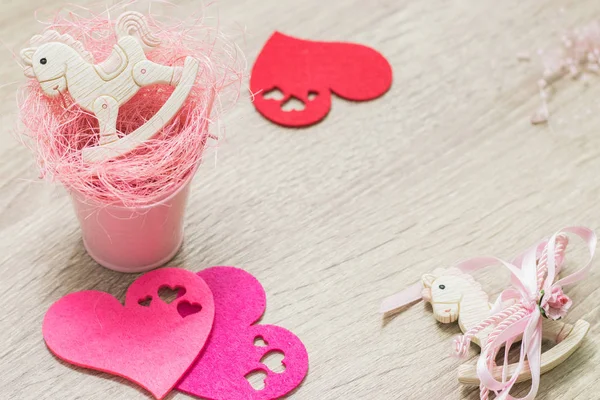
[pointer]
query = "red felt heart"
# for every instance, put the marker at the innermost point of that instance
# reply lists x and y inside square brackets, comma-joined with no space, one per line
[151,345]
[309,71]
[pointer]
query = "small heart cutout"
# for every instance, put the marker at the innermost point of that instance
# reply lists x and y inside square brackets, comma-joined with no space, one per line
[168,294]
[185,308]
[293,104]
[260,341]
[307,72]
[257,379]
[274,361]
[273,94]
[147,341]
[249,361]
[146,301]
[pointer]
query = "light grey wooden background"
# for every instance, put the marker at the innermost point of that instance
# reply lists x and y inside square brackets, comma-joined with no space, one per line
[334,218]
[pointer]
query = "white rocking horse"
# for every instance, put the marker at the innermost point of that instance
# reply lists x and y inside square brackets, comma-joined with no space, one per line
[455,295]
[60,63]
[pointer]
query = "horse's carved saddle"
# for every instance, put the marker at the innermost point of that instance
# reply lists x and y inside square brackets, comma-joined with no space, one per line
[114,64]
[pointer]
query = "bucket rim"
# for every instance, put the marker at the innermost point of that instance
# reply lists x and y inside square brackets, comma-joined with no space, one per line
[82,199]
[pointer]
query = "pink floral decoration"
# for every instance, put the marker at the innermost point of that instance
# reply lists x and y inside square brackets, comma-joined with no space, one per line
[578,55]
[555,304]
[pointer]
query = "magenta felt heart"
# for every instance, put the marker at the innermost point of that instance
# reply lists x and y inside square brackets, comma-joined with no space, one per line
[151,344]
[231,352]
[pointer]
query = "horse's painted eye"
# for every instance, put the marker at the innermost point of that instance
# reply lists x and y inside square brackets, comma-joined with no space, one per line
[442,287]
[43,61]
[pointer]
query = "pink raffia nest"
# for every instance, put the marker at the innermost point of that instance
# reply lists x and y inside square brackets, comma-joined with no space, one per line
[57,129]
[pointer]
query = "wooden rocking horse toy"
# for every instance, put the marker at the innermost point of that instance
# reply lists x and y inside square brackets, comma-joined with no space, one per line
[527,312]
[60,63]
[455,295]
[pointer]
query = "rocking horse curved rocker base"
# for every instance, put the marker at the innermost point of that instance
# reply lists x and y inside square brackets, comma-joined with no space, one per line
[567,339]
[60,63]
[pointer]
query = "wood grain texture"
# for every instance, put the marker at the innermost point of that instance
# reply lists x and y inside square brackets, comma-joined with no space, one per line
[334,218]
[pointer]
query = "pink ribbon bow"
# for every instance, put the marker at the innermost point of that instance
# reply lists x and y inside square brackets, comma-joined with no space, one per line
[533,291]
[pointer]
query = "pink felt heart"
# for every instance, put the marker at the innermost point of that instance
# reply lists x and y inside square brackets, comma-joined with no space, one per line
[151,345]
[231,353]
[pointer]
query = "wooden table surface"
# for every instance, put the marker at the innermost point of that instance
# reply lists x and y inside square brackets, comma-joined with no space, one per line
[334,218]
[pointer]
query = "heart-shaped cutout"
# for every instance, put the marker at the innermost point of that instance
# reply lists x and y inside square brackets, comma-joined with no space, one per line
[147,341]
[238,349]
[308,71]
[274,361]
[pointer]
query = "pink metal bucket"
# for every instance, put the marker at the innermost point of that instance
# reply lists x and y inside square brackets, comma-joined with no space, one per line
[133,239]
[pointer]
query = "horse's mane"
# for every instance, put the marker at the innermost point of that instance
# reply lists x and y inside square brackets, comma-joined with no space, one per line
[53,36]
[457,272]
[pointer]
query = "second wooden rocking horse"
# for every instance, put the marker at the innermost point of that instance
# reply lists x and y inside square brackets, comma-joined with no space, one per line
[455,295]
[60,63]
[528,312]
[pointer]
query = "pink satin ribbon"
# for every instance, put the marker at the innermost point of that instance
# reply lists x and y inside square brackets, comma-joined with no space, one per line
[525,290]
